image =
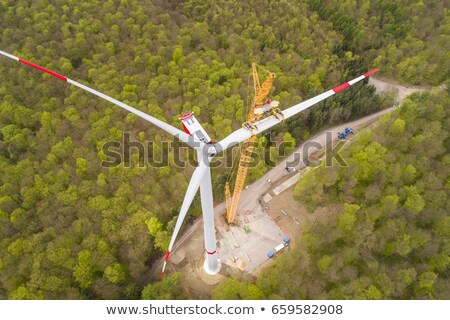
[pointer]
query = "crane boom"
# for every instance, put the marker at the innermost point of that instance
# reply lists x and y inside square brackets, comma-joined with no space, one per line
[261,92]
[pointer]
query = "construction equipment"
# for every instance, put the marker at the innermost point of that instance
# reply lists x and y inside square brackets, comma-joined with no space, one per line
[258,109]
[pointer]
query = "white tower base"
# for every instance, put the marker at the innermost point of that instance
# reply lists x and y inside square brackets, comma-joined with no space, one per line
[210,271]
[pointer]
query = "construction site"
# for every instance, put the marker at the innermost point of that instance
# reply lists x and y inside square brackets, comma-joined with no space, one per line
[263,223]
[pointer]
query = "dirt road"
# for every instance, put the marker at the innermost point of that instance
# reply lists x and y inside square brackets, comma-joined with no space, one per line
[403,90]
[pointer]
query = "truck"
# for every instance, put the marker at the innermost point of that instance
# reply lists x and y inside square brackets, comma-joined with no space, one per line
[278,248]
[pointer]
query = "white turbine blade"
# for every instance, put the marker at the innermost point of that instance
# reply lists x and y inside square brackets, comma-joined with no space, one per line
[206,194]
[243,134]
[234,138]
[194,184]
[162,125]
[190,140]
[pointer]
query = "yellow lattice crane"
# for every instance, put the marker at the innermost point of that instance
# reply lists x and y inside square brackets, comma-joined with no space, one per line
[258,109]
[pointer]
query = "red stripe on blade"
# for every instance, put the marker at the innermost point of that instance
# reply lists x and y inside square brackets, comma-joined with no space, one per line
[167,256]
[341,87]
[210,252]
[43,69]
[371,72]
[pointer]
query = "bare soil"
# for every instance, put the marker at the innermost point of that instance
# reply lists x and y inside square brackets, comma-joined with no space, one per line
[296,216]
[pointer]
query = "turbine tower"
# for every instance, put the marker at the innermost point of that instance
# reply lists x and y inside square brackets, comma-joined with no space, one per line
[196,137]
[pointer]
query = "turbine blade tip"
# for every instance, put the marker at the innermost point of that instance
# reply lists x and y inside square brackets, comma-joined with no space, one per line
[371,72]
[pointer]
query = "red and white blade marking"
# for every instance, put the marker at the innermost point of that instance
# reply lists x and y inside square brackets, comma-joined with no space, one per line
[191,141]
[9,55]
[56,75]
[28,63]
[341,87]
[348,84]
[371,72]
[310,102]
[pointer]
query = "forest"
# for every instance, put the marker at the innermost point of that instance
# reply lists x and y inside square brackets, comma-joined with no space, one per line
[390,237]
[71,228]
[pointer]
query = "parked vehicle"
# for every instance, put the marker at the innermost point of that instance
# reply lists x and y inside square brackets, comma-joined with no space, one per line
[278,248]
[345,133]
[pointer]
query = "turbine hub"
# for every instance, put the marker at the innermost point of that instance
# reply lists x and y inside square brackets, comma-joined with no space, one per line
[212,151]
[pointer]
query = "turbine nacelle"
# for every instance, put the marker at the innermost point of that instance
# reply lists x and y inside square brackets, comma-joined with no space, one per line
[192,127]
[200,137]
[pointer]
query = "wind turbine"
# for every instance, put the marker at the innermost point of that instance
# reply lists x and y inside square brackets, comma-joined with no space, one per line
[196,137]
